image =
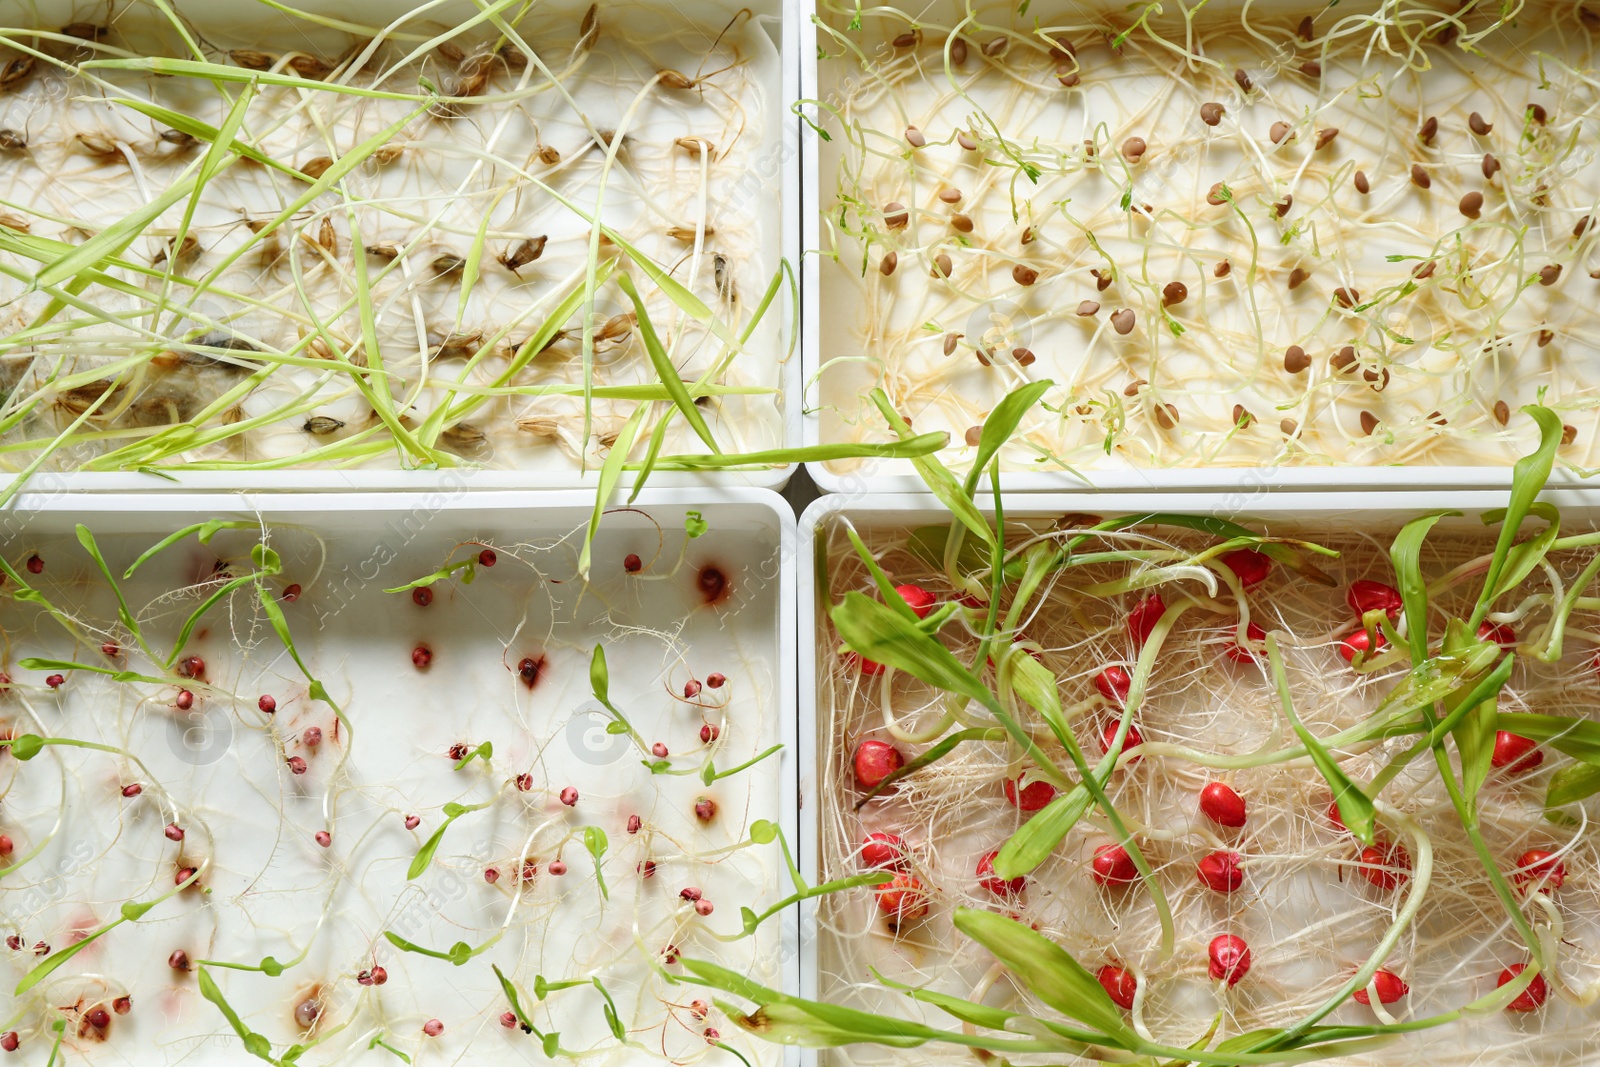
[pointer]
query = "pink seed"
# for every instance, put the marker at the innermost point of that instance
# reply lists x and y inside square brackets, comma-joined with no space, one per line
[412,822]
[524,782]
[56,681]
[691,689]
[634,823]
[705,809]
[323,838]
[14,943]
[1230,958]
[422,596]
[632,563]
[306,1012]
[35,564]
[179,960]
[185,700]
[491,875]
[110,649]
[709,733]
[433,1027]
[1223,806]
[122,1005]
[364,978]
[41,948]
[508,1019]
[711,1035]
[569,797]
[1219,872]
[700,1010]
[880,851]
[296,765]
[670,953]
[312,737]
[689,893]
[716,680]
[10,1041]
[703,907]
[174,832]
[421,656]
[487,558]
[379,976]
[530,870]
[875,761]
[132,790]
[558,868]
[183,875]
[659,750]
[267,703]
[6,845]
[291,593]
[645,869]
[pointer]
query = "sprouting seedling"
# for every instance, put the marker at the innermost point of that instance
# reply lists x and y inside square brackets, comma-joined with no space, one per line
[430,847]
[594,839]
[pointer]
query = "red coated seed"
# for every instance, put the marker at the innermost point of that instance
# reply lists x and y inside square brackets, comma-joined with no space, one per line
[297,765]
[709,733]
[1223,806]
[1119,984]
[98,1018]
[412,822]
[705,809]
[716,680]
[919,599]
[1034,796]
[1540,871]
[903,899]
[1108,735]
[174,832]
[569,797]
[56,681]
[883,851]
[323,838]
[1355,642]
[422,596]
[703,907]
[875,761]
[1515,751]
[1143,618]
[110,649]
[633,824]
[524,782]
[689,893]
[1531,998]
[632,563]
[1229,958]
[658,750]
[491,875]
[1501,635]
[122,1005]
[1246,653]
[433,1027]
[711,1035]
[1252,567]
[291,593]
[1391,987]
[1385,865]
[35,564]
[691,689]
[867,666]
[700,1010]
[7,846]
[457,751]
[1220,872]
[528,670]
[192,667]
[364,978]
[645,869]
[267,703]
[1365,596]
[1113,683]
[1112,865]
[312,737]
[508,1019]
[132,790]
[14,943]
[558,868]
[10,1041]
[179,960]
[1000,887]
[41,948]
[379,976]
[421,656]
[487,558]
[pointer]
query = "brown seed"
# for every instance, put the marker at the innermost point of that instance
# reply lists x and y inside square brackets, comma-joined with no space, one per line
[1297,277]
[1133,148]
[1023,274]
[983,355]
[1437,418]
[316,168]
[1211,113]
[1215,197]
[1122,320]
[321,425]
[1023,356]
[906,40]
[327,238]
[950,194]
[1174,293]
[1569,433]
[1133,387]
[1430,129]
[1472,204]
[961,223]
[1027,235]
[308,66]
[995,47]
[1343,358]
[1545,337]
[1088,308]
[1325,137]
[1491,165]
[1242,79]
[1549,274]
[1577,231]
[445,265]
[1167,416]
[1502,412]
[1281,207]
[1295,359]
[1305,31]
[251,60]
[1223,269]
[941,266]
[1345,297]
[887,264]
[1419,177]
[1423,270]
[950,340]
[1242,416]
[1088,150]
[1477,125]
[914,137]
[958,51]
[1362,185]
[1289,427]
[670,78]
[1369,422]
[974,436]
[895,215]
[12,141]
[1311,68]
[1102,281]
[1279,131]
[965,140]
[1537,113]
[1068,79]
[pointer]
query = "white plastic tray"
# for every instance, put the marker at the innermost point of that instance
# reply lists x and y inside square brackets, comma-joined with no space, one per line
[269,882]
[767,192]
